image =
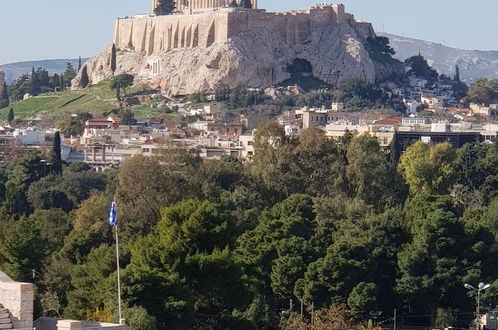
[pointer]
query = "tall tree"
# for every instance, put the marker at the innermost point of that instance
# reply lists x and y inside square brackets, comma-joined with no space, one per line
[84,80]
[62,83]
[79,63]
[428,169]
[10,115]
[457,73]
[113,59]
[35,86]
[56,153]
[69,74]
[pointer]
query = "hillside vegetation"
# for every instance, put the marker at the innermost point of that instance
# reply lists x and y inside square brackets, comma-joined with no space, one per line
[96,100]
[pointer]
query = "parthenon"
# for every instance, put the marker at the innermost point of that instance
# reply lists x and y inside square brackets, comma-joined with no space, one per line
[187,6]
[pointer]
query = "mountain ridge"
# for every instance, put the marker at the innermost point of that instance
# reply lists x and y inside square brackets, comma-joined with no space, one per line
[16,69]
[472,63]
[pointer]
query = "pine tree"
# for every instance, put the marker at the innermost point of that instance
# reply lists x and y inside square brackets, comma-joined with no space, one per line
[84,81]
[56,154]
[10,115]
[4,96]
[165,7]
[113,59]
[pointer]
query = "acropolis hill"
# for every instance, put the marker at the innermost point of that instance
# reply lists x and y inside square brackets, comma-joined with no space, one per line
[206,43]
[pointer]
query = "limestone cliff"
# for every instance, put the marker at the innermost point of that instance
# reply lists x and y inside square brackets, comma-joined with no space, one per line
[254,54]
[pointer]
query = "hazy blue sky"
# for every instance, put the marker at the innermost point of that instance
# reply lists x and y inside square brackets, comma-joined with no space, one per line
[37,29]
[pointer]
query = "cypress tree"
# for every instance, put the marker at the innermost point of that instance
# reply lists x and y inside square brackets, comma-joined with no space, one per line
[56,81]
[84,81]
[457,73]
[62,81]
[4,99]
[56,154]
[34,83]
[10,115]
[113,59]
[79,63]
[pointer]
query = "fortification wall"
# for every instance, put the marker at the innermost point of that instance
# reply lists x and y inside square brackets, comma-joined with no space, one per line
[162,33]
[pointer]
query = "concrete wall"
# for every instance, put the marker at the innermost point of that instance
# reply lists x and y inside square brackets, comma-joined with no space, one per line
[84,325]
[18,299]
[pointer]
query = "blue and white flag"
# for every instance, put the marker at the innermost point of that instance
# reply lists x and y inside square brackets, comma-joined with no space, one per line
[113,218]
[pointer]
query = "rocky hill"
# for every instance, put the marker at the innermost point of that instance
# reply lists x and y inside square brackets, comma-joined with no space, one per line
[15,70]
[317,42]
[473,63]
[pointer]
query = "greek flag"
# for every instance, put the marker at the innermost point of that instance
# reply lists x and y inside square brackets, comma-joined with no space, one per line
[113,218]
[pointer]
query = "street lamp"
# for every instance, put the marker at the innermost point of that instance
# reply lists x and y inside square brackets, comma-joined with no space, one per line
[479,288]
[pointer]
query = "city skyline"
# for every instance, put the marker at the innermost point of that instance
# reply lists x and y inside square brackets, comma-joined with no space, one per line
[72,29]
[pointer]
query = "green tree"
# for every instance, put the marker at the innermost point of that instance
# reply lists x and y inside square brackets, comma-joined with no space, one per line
[483,91]
[56,153]
[370,174]
[35,83]
[27,170]
[362,299]
[84,80]
[121,82]
[193,246]
[93,286]
[23,250]
[10,115]
[428,169]
[420,68]
[113,59]
[69,74]
[277,250]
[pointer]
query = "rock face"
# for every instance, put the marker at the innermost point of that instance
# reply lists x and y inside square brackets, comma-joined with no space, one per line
[240,47]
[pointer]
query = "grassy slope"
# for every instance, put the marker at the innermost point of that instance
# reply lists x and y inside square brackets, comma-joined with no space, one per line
[95,100]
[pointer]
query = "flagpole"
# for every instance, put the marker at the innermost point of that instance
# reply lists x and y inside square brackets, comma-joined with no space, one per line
[119,278]
[113,221]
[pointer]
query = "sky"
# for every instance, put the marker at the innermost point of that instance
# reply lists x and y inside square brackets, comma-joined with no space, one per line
[50,29]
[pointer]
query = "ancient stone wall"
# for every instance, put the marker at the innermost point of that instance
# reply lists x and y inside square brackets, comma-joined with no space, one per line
[162,33]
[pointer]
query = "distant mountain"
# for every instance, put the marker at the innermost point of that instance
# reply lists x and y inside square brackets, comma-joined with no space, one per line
[15,70]
[473,63]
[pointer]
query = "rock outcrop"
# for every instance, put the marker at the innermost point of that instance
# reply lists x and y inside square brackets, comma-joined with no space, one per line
[258,55]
